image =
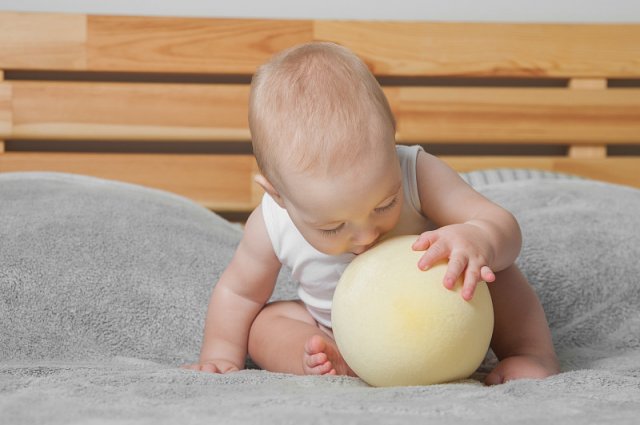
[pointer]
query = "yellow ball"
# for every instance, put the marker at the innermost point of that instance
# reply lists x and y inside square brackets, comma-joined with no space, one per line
[398,325]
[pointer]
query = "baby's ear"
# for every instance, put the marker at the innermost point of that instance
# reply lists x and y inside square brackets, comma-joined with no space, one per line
[268,187]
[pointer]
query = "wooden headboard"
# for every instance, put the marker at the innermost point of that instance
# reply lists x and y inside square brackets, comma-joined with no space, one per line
[163,101]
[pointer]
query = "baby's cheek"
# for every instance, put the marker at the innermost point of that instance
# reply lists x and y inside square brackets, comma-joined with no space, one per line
[390,223]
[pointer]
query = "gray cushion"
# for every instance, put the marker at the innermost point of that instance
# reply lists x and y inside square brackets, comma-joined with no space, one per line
[91,268]
[94,269]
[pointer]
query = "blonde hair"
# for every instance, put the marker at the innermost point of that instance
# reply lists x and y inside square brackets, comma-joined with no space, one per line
[316,106]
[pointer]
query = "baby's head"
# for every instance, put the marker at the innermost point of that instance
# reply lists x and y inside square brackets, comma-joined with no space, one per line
[322,131]
[316,108]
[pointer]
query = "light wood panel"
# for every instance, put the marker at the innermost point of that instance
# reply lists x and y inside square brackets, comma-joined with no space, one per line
[145,111]
[6,110]
[236,46]
[581,149]
[486,49]
[49,41]
[194,45]
[42,41]
[542,115]
[129,111]
[587,115]
[222,183]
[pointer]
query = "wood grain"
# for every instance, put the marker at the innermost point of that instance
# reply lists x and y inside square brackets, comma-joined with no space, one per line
[196,45]
[42,41]
[222,183]
[218,112]
[510,115]
[158,44]
[129,111]
[490,49]
[6,110]
[199,68]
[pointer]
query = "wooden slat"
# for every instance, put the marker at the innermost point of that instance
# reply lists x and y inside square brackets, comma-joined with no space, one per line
[587,152]
[158,44]
[6,114]
[46,41]
[129,111]
[42,41]
[588,83]
[195,45]
[620,170]
[145,111]
[580,149]
[487,49]
[507,115]
[586,115]
[222,183]
[5,111]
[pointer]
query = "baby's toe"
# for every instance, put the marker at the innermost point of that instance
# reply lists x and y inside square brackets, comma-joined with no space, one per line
[316,359]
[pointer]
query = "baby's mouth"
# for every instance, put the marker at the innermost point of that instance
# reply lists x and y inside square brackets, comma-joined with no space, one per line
[364,248]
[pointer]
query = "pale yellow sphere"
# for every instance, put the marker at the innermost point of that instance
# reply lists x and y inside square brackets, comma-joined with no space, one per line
[398,325]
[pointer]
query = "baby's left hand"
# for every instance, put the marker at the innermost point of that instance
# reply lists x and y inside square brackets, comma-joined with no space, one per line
[468,252]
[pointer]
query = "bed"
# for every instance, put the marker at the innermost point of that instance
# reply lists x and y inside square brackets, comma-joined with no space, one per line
[125,165]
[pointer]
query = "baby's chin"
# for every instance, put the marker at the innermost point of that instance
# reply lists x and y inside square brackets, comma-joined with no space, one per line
[337,252]
[351,250]
[361,249]
[329,250]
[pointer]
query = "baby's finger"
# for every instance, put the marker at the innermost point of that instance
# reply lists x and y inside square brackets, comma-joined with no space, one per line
[424,241]
[487,274]
[454,270]
[229,369]
[436,252]
[471,279]
[211,368]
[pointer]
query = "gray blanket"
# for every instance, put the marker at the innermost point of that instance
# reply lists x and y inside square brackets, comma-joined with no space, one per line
[104,286]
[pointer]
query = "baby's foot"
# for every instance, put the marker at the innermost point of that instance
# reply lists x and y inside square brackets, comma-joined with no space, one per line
[522,367]
[321,357]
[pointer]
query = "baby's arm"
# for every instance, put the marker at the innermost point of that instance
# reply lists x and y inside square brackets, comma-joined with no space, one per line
[521,336]
[476,235]
[242,291]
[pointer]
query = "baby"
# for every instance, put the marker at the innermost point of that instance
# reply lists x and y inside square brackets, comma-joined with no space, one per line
[336,183]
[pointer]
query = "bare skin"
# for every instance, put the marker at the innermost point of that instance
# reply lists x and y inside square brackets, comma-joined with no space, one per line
[285,338]
[322,354]
[528,353]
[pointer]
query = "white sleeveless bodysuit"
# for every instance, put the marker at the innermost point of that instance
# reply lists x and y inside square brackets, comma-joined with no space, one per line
[316,273]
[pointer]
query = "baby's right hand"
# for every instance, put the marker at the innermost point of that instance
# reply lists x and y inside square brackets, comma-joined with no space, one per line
[213,366]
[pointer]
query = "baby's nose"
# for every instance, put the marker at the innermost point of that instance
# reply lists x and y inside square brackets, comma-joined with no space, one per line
[366,236]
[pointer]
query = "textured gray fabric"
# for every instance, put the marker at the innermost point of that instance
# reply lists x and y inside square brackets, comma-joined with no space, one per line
[103,290]
[91,269]
[480,178]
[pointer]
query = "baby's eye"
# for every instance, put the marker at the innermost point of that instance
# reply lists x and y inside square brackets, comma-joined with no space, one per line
[331,232]
[387,207]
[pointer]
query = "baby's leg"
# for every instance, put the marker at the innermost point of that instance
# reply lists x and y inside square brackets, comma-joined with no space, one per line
[285,338]
[521,336]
